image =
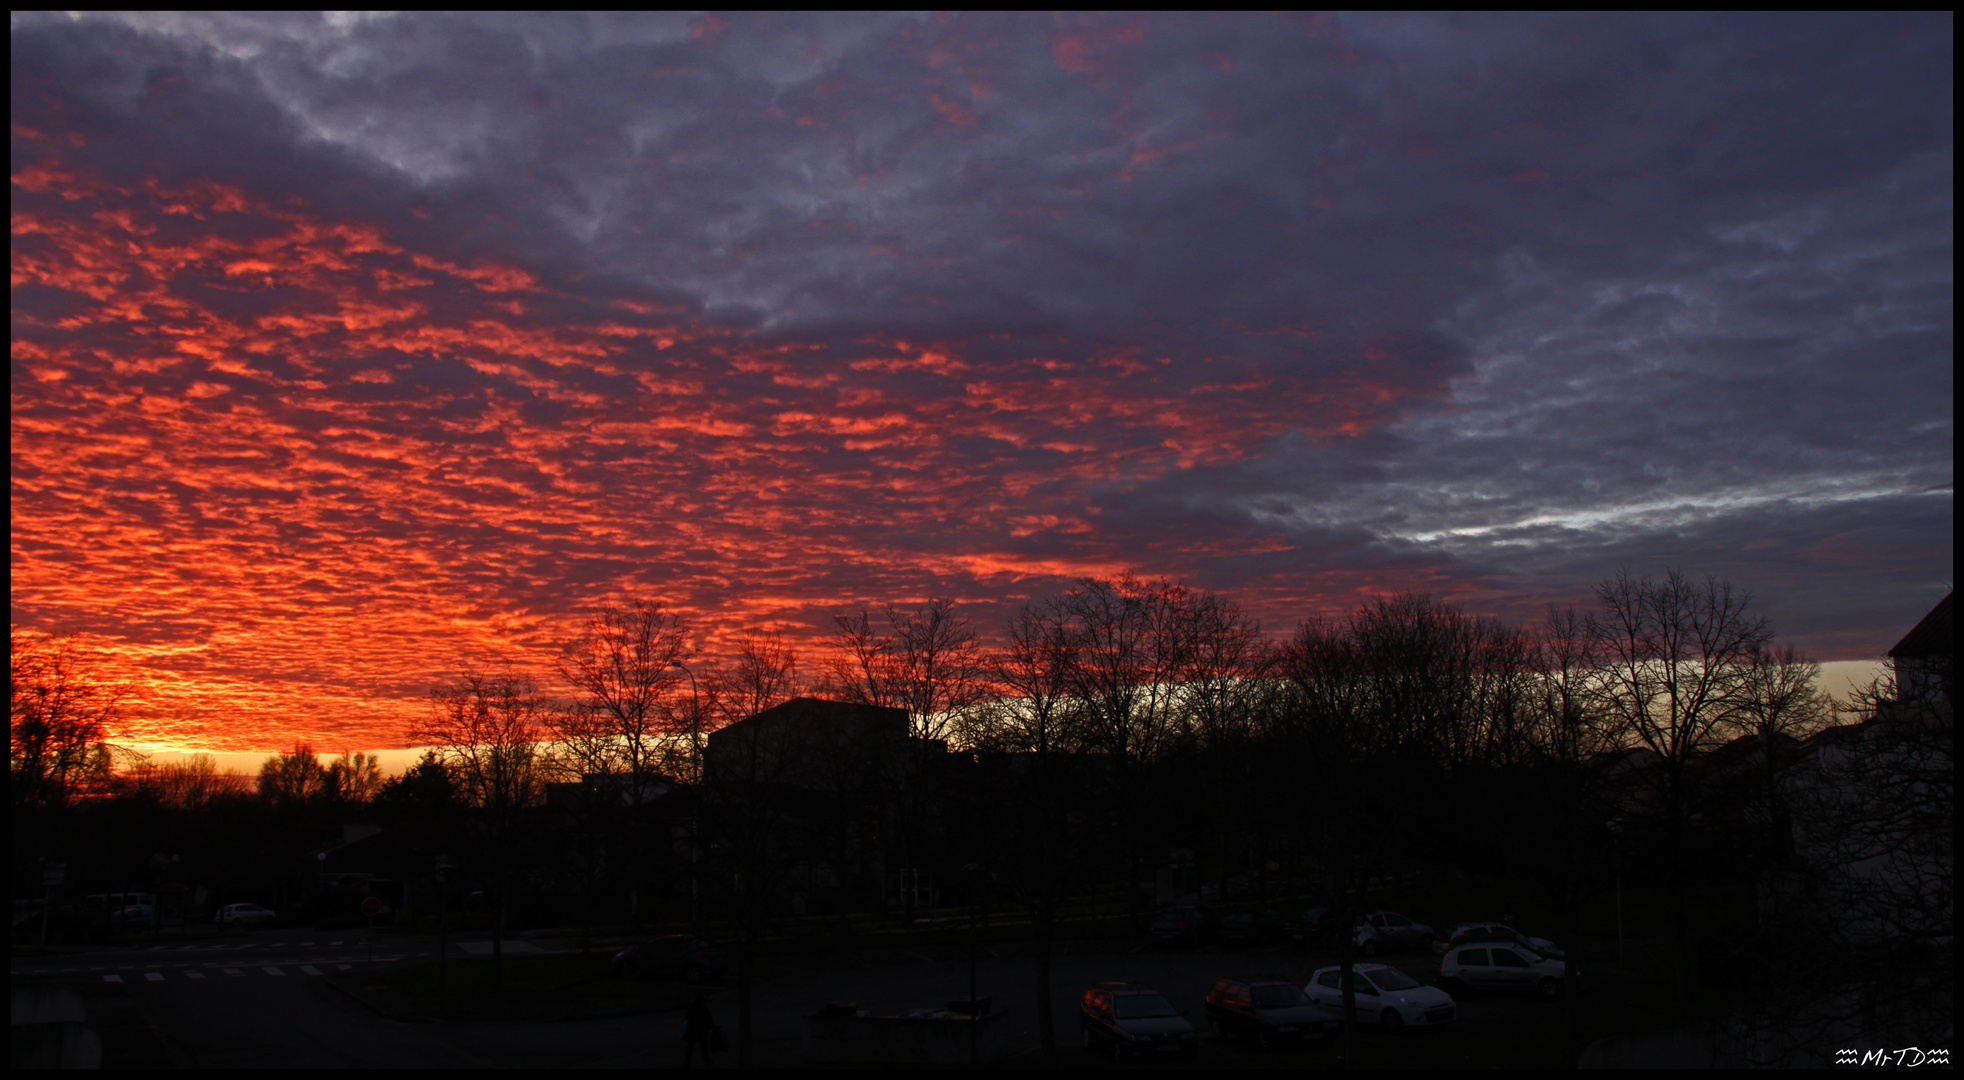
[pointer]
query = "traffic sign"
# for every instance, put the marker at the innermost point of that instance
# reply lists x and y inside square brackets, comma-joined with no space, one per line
[371,906]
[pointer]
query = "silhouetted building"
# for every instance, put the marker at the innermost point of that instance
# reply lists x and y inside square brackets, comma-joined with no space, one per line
[1926,658]
[819,745]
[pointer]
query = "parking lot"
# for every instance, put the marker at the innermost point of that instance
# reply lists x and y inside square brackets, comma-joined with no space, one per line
[1490,1030]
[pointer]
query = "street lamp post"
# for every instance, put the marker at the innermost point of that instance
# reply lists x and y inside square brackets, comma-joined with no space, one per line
[695,801]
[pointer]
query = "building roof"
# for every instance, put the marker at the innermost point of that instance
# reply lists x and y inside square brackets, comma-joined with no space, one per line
[1934,636]
[807,708]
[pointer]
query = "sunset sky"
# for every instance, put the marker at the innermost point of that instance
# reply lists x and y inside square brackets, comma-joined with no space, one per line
[351,350]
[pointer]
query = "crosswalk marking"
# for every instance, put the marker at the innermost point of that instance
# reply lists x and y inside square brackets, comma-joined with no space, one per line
[272,971]
[234,971]
[194,974]
[152,976]
[112,978]
[310,970]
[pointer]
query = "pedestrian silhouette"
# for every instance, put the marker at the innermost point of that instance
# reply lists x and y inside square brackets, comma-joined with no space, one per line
[697,1028]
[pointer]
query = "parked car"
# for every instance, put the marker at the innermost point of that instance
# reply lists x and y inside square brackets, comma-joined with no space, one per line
[1269,1011]
[1252,927]
[1470,933]
[1385,996]
[1312,926]
[244,915]
[1185,926]
[675,957]
[1387,931]
[1133,1020]
[1502,966]
[134,917]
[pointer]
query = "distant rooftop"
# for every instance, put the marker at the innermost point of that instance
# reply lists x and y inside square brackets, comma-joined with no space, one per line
[1934,636]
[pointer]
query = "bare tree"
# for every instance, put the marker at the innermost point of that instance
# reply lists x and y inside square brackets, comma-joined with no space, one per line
[628,719]
[1573,747]
[1783,704]
[624,668]
[1222,663]
[61,712]
[353,777]
[1782,696]
[293,777]
[1325,738]
[191,783]
[928,662]
[486,729]
[764,673]
[1034,719]
[1676,657]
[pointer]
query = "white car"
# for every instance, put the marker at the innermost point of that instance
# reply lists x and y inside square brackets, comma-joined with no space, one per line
[1386,997]
[244,915]
[1473,933]
[1501,965]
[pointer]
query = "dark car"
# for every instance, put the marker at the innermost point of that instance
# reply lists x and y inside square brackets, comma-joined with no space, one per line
[1271,1012]
[1386,931]
[1133,1020]
[677,957]
[1185,926]
[1313,926]
[1252,928]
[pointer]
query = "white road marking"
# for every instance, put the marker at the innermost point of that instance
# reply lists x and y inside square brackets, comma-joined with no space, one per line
[310,970]
[194,974]
[272,971]
[345,967]
[112,978]
[151,976]
[234,971]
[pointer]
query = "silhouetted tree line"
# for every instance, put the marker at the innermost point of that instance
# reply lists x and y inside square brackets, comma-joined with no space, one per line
[1121,724]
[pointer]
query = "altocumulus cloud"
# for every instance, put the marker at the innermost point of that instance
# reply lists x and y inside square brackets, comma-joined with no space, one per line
[350,348]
